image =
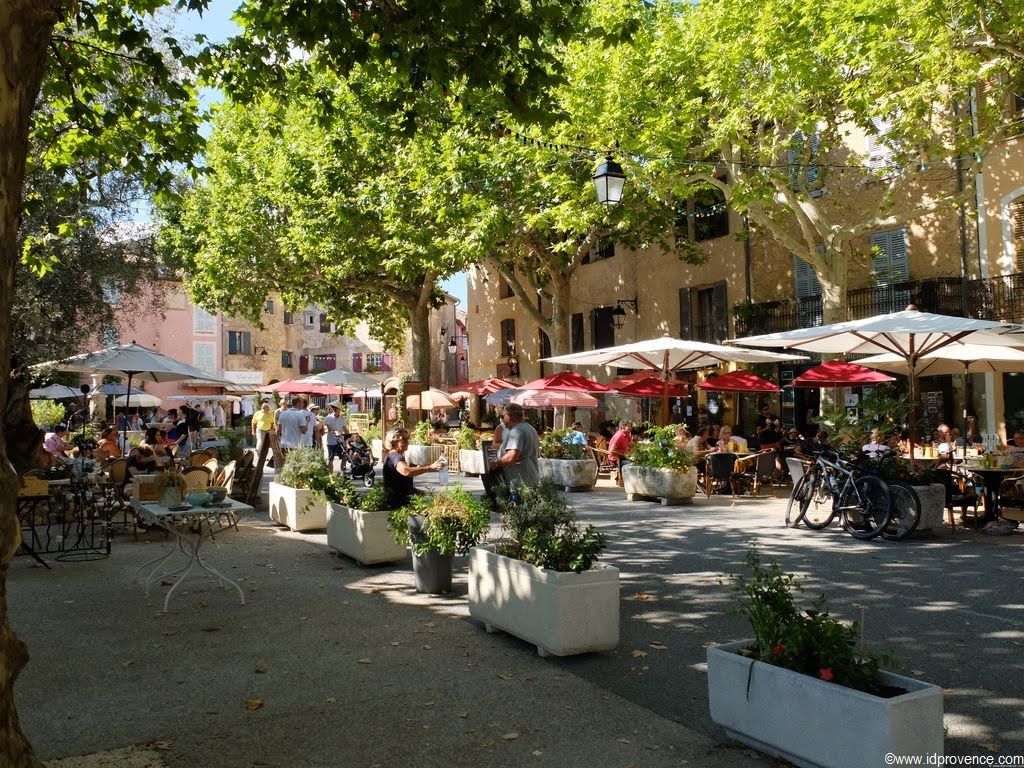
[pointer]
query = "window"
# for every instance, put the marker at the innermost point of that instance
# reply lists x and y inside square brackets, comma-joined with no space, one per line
[604,249]
[268,308]
[880,150]
[544,348]
[710,214]
[324,362]
[204,356]
[239,343]
[803,168]
[289,319]
[203,321]
[286,359]
[602,327]
[508,337]
[577,332]
[1017,225]
[704,313]
[325,326]
[890,269]
[808,292]
[310,319]
[504,289]
[374,362]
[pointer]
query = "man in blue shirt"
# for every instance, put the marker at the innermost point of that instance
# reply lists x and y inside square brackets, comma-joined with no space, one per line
[577,436]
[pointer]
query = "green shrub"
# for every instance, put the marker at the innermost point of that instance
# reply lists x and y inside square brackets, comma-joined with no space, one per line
[47,414]
[553,445]
[542,530]
[467,439]
[420,434]
[236,443]
[661,451]
[455,521]
[303,466]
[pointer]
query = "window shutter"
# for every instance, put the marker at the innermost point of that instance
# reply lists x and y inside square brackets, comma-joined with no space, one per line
[325,327]
[685,317]
[880,151]
[232,343]
[246,343]
[806,280]
[385,362]
[721,299]
[357,362]
[303,364]
[577,332]
[1017,221]
[330,362]
[891,264]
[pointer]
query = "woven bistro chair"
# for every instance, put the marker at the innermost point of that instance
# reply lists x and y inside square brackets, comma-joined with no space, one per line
[196,478]
[199,458]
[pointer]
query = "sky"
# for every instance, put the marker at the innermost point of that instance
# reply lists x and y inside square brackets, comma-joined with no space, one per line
[217,25]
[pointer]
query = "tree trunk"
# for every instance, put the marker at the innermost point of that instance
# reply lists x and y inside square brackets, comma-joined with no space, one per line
[23,436]
[27,26]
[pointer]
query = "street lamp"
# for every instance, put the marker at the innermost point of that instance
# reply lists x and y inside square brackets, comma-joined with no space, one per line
[608,181]
[619,313]
[262,352]
[452,346]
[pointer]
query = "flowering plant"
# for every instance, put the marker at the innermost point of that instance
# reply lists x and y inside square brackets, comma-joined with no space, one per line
[807,641]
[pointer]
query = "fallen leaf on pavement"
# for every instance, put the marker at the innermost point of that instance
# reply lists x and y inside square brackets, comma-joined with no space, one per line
[162,744]
[659,646]
[426,647]
[639,654]
[990,746]
[332,700]
[201,604]
[365,661]
[510,736]
[624,741]
[396,642]
[507,676]
[252,704]
[641,596]
[537,753]
[261,670]
[463,715]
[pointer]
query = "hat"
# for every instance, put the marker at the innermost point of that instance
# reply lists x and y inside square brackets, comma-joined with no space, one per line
[336,404]
[314,407]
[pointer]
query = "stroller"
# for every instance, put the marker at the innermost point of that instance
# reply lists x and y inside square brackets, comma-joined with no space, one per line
[360,459]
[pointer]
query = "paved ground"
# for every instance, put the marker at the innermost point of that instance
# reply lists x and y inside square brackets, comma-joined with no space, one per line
[348,666]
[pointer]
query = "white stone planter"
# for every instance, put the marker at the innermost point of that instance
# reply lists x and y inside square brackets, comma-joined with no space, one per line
[672,486]
[933,505]
[363,536]
[471,462]
[377,446]
[810,722]
[570,474]
[561,613]
[418,455]
[291,507]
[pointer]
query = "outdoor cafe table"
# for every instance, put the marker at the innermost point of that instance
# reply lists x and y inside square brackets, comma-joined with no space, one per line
[991,479]
[197,522]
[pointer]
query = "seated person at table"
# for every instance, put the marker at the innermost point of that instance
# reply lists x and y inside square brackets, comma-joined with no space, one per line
[726,444]
[619,446]
[576,435]
[683,436]
[942,440]
[107,448]
[155,440]
[53,444]
[741,442]
[140,461]
[699,442]
[876,447]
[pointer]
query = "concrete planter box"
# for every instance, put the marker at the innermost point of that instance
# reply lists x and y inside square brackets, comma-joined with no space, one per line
[290,506]
[363,536]
[471,462]
[377,446]
[561,613]
[671,486]
[570,474]
[813,723]
[933,505]
[418,455]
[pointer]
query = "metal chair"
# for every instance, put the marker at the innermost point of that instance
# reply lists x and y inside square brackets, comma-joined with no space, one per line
[764,470]
[721,472]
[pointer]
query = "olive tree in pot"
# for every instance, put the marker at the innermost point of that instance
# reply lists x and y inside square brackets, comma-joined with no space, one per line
[417,453]
[566,464]
[357,524]
[438,526]
[541,583]
[292,499]
[658,469]
[795,689]
[471,457]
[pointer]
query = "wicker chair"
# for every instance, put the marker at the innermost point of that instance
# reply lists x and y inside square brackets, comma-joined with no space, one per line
[117,472]
[199,458]
[196,478]
[213,466]
[224,478]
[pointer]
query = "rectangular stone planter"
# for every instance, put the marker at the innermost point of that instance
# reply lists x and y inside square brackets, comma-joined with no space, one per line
[933,505]
[670,486]
[363,536]
[471,462]
[810,722]
[290,506]
[561,613]
[570,474]
[421,455]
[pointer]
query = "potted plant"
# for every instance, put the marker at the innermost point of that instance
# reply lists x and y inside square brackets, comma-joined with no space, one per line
[418,451]
[170,487]
[658,469]
[438,526]
[930,492]
[357,524]
[541,583]
[566,464]
[292,498]
[471,456]
[803,691]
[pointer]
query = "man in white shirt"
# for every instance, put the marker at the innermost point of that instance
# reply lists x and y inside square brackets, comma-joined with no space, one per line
[302,404]
[334,428]
[292,427]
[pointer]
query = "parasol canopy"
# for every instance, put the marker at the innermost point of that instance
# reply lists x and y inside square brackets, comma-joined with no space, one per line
[553,398]
[429,399]
[482,387]
[54,392]
[568,381]
[738,381]
[142,400]
[647,384]
[836,373]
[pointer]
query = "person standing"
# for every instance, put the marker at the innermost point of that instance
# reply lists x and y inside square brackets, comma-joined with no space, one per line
[317,425]
[769,429]
[334,430]
[618,447]
[262,424]
[291,427]
[520,448]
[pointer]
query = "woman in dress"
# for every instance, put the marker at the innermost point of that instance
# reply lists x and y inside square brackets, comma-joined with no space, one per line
[398,475]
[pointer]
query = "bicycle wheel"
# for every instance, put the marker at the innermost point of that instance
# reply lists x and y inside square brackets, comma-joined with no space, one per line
[866,509]
[803,489]
[905,508]
[818,510]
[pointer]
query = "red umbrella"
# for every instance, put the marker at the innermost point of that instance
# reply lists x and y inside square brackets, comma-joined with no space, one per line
[554,398]
[648,384]
[483,386]
[567,381]
[738,381]
[836,373]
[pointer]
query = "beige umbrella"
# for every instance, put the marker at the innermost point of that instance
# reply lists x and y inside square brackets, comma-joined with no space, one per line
[429,399]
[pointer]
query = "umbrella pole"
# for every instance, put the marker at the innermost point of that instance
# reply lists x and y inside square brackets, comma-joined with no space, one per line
[965,390]
[912,369]
[127,405]
[664,390]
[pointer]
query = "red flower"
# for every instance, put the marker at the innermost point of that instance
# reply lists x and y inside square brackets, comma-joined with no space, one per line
[825,673]
[777,649]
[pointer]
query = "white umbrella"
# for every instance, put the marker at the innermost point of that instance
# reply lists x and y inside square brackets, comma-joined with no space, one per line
[502,396]
[667,354]
[341,377]
[134,361]
[368,393]
[142,400]
[54,392]
[429,399]
[554,398]
[910,335]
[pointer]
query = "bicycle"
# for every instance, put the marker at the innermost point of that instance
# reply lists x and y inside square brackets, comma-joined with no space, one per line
[832,487]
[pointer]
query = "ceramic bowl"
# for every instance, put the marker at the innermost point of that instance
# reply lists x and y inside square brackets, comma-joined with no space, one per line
[217,493]
[199,498]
